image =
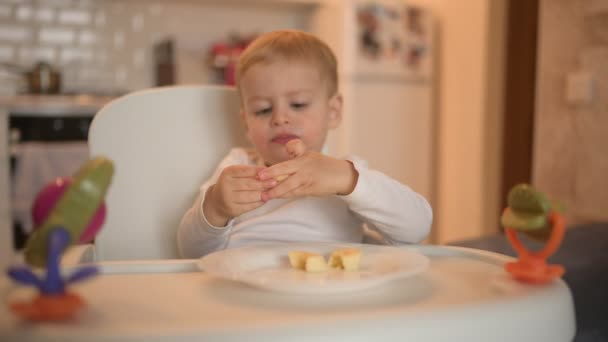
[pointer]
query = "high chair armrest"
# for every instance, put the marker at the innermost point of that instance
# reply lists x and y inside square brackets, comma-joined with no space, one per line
[78,254]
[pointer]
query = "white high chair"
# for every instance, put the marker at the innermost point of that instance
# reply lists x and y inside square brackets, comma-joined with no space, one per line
[164,143]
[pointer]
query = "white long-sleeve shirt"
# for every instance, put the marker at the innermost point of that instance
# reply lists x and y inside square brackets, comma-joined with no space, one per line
[398,213]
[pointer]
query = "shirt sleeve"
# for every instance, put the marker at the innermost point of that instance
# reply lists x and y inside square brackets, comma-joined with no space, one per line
[400,214]
[195,235]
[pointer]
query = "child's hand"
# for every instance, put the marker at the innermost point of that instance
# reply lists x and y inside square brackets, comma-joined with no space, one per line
[237,191]
[295,148]
[311,174]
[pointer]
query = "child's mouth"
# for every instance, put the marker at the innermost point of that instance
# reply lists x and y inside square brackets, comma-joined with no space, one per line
[283,138]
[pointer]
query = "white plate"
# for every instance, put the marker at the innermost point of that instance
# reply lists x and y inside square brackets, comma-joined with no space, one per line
[268,267]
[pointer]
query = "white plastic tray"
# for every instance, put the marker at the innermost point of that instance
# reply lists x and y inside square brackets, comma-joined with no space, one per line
[463,296]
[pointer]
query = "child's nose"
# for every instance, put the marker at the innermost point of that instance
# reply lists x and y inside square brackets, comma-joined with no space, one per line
[280,118]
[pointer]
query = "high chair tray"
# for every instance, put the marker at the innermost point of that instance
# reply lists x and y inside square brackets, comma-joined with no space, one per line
[464,295]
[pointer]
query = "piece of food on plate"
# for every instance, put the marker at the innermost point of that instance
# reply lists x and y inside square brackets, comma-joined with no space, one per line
[347,259]
[307,261]
[297,259]
[315,263]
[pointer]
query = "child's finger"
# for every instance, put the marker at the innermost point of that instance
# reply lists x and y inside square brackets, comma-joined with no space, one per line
[297,192]
[243,171]
[282,188]
[254,184]
[250,206]
[281,169]
[247,197]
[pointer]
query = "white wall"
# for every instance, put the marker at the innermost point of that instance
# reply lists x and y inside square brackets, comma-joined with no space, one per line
[388,114]
[570,142]
[106,46]
[469,124]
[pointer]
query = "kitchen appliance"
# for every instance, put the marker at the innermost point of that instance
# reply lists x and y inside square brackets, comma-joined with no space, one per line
[42,78]
[386,53]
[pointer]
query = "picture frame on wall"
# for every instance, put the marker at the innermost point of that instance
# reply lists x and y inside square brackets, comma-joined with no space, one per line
[393,38]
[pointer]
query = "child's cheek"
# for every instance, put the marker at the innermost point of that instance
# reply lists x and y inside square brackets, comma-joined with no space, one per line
[261,140]
[314,139]
[255,136]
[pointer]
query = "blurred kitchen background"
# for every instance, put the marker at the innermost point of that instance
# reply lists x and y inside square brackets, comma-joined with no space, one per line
[495,92]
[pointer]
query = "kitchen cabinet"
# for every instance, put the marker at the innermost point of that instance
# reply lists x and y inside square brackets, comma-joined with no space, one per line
[46,107]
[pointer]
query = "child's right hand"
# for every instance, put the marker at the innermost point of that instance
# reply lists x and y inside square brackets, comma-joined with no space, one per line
[236,191]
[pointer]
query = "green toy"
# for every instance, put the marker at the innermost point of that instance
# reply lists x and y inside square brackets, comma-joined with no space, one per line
[531,213]
[74,209]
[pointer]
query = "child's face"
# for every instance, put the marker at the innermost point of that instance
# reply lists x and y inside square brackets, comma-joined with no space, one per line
[284,101]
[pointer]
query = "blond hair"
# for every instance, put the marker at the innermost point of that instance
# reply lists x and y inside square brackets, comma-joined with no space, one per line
[291,45]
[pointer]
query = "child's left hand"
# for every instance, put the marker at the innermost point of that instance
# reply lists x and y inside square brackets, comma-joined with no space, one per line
[310,174]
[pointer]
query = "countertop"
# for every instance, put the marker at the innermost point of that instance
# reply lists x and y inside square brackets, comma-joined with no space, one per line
[53,105]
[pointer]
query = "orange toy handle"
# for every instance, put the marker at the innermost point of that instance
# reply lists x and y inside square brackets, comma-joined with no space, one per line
[531,267]
[557,235]
[49,308]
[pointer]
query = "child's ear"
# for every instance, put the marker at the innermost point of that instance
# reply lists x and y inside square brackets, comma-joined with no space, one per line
[335,110]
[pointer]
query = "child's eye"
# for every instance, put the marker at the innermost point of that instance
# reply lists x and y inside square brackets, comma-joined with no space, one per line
[299,105]
[263,111]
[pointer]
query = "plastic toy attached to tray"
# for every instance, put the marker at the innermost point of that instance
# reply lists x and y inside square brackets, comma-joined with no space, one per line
[67,211]
[530,213]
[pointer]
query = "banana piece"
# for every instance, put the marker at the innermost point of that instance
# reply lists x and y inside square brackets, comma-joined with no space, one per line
[347,259]
[307,261]
[281,178]
[295,148]
[297,259]
[315,263]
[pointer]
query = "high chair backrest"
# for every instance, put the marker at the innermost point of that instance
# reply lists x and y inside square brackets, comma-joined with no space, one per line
[164,143]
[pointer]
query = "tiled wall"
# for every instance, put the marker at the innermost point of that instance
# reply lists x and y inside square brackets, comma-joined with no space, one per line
[105,45]
[571,139]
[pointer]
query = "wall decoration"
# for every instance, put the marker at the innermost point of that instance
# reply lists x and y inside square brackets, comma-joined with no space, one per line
[392,39]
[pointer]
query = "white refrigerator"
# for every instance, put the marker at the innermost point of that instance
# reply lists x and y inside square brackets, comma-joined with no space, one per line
[386,54]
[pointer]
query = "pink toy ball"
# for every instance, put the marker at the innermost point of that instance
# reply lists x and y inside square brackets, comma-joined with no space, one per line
[50,194]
